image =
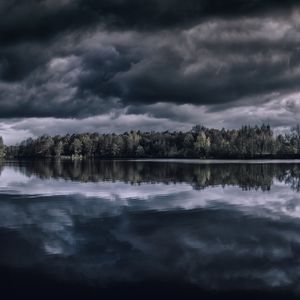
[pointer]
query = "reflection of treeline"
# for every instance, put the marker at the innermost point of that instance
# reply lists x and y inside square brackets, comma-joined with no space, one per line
[247,176]
[200,142]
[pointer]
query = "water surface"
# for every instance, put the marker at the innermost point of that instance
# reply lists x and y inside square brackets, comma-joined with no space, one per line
[150,228]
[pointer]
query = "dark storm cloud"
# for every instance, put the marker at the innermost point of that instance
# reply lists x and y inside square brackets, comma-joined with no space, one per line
[16,63]
[23,21]
[65,58]
[41,19]
[213,63]
[156,14]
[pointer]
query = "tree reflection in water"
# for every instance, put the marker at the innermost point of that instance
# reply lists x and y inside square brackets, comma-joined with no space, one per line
[200,175]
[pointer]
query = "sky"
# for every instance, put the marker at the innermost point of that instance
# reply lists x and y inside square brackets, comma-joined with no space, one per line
[69,66]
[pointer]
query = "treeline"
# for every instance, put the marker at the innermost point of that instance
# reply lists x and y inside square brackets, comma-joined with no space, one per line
[200,142]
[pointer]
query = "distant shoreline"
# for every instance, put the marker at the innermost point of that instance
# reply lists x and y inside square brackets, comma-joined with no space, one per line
[251,143]
[167,160]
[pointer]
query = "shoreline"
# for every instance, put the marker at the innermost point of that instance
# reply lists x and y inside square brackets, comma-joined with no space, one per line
[163,160]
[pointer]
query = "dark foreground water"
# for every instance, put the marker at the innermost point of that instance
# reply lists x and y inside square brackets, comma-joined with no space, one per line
[149,230]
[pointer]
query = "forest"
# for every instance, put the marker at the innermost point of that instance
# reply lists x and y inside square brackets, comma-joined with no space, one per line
[248,142]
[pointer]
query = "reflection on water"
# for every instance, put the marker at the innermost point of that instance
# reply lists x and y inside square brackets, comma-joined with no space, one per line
[216,227]
[199,175]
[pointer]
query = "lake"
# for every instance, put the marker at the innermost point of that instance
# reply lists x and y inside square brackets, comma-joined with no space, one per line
[150,229]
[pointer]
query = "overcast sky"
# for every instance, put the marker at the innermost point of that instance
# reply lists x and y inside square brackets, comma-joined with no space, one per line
[116,65]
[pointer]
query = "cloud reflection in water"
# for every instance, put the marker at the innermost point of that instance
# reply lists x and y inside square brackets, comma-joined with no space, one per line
[103,232]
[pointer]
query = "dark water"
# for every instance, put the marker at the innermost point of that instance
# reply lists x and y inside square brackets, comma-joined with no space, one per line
[160,229]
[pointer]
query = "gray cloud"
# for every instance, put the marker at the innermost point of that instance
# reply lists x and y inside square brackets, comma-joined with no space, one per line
[41,20]
[213,63]
[282,112]
[79,59]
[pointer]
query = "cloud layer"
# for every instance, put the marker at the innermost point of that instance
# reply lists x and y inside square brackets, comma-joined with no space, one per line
[89,59]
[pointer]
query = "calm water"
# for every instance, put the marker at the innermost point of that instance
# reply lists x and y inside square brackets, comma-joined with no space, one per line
[150,229]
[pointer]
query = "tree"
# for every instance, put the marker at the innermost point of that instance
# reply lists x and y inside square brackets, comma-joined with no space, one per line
[140,152]
[58,148]
[76,147]
[246,142]
[132,141]
[296,138]
[44,146]
[202,144]
[87,146]
[188,144]
[197,128]
[2,148]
